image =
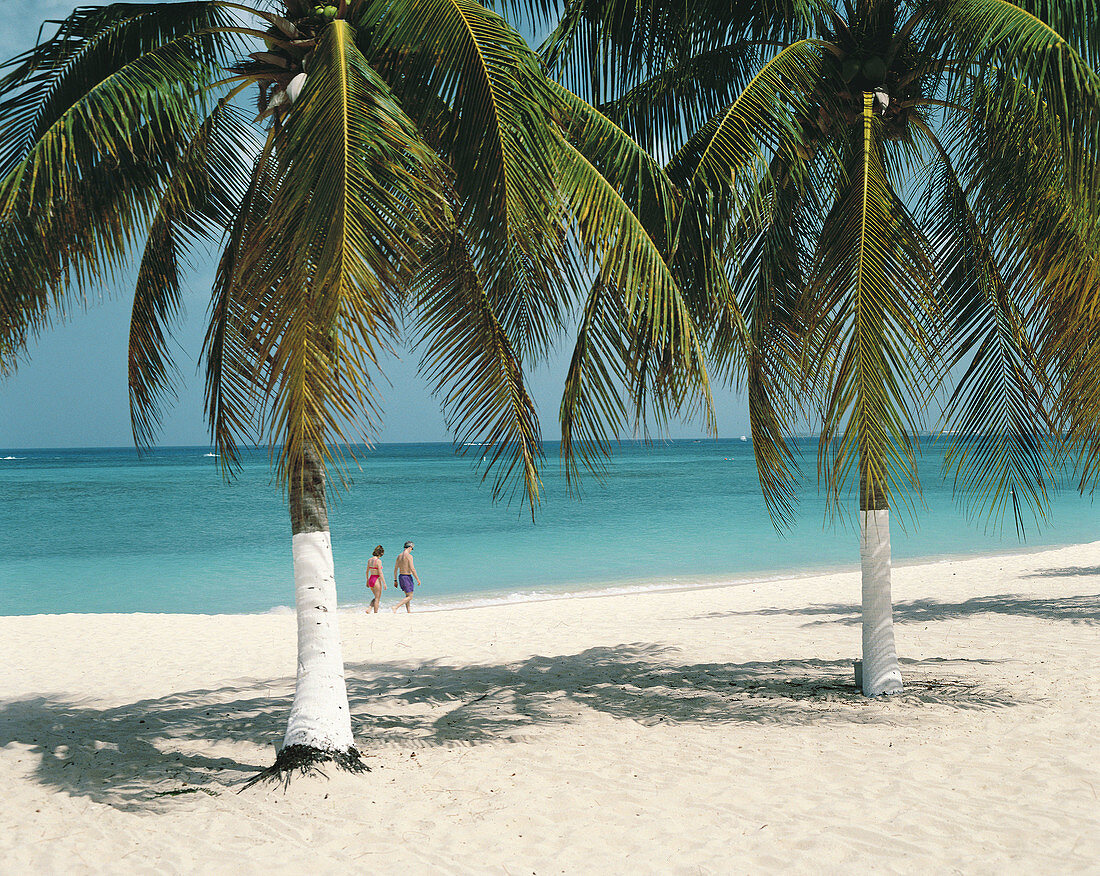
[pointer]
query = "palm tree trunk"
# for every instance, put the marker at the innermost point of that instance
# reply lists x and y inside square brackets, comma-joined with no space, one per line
[881,673]
[319,728]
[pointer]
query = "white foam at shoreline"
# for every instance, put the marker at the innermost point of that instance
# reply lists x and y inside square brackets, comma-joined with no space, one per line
[519,597]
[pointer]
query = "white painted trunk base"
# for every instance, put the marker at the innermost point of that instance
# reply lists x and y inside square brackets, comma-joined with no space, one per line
[320,717]
[881,673]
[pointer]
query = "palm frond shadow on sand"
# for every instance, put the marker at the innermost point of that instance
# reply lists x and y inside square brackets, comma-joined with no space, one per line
[1067,572]
[148,754]
[1076,609]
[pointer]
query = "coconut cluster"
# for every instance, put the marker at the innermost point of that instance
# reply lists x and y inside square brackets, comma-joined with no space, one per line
[876,64]
[282,68]
[887,80]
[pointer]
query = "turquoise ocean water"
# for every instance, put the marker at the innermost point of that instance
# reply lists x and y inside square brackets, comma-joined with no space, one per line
[102,530]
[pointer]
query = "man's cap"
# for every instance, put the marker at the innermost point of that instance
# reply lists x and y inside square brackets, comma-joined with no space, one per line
[409,544]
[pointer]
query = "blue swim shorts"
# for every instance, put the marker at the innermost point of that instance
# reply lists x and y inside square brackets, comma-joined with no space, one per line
[407,583]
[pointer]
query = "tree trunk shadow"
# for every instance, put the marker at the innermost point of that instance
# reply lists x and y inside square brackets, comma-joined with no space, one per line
[146,755]
[1075,609]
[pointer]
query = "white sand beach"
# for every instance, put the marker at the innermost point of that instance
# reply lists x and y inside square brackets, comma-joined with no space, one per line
[705,731]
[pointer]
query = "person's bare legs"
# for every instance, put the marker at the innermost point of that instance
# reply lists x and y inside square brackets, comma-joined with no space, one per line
[377,601]
[405,602]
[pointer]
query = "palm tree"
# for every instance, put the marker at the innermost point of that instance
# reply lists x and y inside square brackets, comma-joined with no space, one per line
[403,160]
[899,192]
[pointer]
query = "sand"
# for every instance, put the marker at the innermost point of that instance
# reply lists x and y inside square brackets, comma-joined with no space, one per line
[706,731]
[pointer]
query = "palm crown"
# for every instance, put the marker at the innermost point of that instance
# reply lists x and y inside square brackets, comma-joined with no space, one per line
[895,188]
[401,158]
[878,197]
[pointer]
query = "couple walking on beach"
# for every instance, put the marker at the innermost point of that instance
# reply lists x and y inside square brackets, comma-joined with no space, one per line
[404,577]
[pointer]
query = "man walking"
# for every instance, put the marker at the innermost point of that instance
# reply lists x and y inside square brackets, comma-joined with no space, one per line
[404,576]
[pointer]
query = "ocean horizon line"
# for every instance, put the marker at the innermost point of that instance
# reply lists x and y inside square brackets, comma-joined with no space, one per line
[258,448]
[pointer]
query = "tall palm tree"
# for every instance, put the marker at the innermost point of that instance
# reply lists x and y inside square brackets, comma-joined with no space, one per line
[899,191]
[400,159]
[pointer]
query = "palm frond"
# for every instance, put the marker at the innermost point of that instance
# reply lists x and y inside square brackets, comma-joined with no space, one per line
[635,175]
[236,374]
[665,367]
[601,49]
[664,108]
[1026,62]
[485,107]
[91,124]
[873,306]
[759,338]
[593,411]
[199,202]
[1004,440]
[730,156]
[355,191]
[472,365]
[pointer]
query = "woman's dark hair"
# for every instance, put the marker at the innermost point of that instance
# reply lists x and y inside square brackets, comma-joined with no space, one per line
[378,551]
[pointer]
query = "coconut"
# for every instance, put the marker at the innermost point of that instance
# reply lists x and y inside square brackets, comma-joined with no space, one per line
[874,69]
[295,87]
[850,69]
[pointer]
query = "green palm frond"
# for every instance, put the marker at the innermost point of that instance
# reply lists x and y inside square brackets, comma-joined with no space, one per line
[873,305]
[199,202]
[1028,63]
[54,91]
[473,366]
[593,411]
[13,341]
[635,175]
[1004,439]
[356,189]
[730,155]
[759,345]
[495,137]
[601,49]
[665,367]
[80,242]
[1075,21]
[235,373]
[604,369]
[91,123]
[1075,353]
[662,109]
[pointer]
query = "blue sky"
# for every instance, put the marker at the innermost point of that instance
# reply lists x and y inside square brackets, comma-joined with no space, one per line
[70,391]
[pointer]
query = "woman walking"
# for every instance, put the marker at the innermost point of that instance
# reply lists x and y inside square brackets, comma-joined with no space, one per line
[375,579]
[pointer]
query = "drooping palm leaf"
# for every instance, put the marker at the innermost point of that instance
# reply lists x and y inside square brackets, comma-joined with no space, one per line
[730,155]
[356,188]
[235,372]
[665,367]
[601,49]
[495,138]
[199,202]
[998,413]
[472,365]
[759,343]
[92,121]
[1032,62]
[872,291]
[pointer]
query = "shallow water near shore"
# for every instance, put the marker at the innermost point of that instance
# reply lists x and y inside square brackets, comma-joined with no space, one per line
[104,530]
